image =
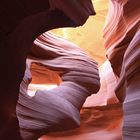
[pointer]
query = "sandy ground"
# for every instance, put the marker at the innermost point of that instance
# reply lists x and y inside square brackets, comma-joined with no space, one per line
[97,123]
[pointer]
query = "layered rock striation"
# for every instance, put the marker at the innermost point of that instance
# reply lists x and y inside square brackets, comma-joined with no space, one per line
[21,23]
[59,108]
[122,41]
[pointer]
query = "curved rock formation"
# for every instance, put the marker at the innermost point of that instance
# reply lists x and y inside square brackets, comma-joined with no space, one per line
[122,41]
[59,108]
[82,8]
[122,22]
[21,22]
[129,84]
[106,94]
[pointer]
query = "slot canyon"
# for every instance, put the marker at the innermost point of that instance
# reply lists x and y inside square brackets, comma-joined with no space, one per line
[70,69]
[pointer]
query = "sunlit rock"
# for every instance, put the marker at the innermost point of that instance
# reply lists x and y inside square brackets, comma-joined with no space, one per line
[122,41]
[59,108]
[106,94]
[21,23]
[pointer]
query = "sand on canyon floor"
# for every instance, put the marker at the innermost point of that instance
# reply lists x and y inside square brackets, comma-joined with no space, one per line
[97,123]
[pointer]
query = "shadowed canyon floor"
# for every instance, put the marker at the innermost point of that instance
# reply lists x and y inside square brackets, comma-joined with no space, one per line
[97,123]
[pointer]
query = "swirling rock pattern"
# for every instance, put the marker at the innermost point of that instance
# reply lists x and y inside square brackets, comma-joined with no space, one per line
[21,22]
[122,41]
[129,84]
[57,109]
[106,95]
[122,22]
